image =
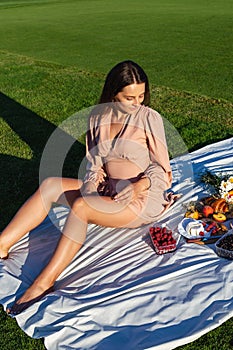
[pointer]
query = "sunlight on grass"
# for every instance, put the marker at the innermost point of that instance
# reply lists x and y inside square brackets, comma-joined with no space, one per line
[182,44]
[11,144]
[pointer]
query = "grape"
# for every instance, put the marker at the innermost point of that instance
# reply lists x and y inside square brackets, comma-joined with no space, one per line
[226,242]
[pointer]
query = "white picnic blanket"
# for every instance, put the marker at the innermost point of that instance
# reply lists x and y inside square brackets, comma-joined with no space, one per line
[117,293]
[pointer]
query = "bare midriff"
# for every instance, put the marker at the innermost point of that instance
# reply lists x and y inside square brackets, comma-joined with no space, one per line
[122,169]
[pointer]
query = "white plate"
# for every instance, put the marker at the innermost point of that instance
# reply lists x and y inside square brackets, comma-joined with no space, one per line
[182,228]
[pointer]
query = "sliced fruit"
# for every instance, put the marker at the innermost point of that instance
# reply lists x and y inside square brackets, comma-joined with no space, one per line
[192,214]
[219,217]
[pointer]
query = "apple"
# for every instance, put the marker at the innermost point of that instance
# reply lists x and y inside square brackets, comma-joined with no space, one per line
[207,210]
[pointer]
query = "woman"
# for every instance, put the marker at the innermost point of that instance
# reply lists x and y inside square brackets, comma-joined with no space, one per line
[128,172]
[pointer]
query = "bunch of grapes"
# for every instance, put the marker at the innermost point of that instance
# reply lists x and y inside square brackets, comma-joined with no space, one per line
[226,242]
[162,239]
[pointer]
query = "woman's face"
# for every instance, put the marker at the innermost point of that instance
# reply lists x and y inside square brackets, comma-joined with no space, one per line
[131,94]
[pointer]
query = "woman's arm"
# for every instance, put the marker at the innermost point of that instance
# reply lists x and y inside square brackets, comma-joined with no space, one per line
[157,146]
[94,170]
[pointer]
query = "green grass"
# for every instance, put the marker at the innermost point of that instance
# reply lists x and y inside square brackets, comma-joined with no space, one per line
[13,338]
[181,44]
[36,96]
[53,59]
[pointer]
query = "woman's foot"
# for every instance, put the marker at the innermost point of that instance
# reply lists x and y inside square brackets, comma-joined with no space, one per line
[31,296]
[4,252]
[5,257]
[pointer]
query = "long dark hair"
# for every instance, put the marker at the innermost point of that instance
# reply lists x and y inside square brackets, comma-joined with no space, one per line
[123,74]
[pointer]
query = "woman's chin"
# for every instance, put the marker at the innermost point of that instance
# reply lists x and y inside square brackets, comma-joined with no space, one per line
[125,107]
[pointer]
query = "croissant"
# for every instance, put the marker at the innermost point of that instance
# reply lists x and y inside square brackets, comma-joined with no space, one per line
[209,200]
[220,206]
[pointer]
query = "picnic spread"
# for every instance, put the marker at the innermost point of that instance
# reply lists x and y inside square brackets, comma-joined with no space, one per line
[157,287]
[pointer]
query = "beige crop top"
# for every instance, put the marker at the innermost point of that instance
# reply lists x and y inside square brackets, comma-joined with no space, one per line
[141,141]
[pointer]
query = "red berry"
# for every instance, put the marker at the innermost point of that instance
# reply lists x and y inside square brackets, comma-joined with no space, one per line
[214,231]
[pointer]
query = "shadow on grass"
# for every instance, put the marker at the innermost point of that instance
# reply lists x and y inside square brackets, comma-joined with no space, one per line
[19,176]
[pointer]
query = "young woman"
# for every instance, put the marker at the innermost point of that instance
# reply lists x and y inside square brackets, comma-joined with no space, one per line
[128,173]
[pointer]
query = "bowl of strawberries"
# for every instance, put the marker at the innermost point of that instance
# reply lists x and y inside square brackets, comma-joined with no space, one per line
[162,239]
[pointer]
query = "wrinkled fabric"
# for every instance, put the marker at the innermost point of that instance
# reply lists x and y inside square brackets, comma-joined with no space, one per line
[117,293]
[141,144]
[141,140]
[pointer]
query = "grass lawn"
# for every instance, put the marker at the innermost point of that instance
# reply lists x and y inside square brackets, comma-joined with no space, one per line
[53,60]
[181,44]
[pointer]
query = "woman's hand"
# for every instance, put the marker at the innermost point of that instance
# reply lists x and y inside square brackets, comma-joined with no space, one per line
[132,191]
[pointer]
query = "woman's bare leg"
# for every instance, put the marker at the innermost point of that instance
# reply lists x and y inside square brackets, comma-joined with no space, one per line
[36,208]
[93,209]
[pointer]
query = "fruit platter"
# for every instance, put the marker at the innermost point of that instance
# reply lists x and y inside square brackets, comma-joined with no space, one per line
[162,239]
[219,206]
[210,207]
[207,219]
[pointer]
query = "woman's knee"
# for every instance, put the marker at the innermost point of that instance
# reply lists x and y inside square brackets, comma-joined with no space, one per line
[50,182]
[79,205]
[51,187]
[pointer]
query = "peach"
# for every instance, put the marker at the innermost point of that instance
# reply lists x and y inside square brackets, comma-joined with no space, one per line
[207,210]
